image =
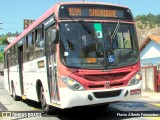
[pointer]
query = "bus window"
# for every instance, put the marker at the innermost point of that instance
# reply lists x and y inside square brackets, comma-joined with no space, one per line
[16,55]
[124,40]
[39,44]
[51,47]
[12,56]
[29,47]
[5,59]
[27,51]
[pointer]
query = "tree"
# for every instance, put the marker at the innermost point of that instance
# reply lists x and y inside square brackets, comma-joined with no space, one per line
[149,20]
[3,40]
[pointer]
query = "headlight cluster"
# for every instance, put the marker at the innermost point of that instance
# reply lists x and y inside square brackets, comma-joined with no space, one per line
[135,79]
[72,84]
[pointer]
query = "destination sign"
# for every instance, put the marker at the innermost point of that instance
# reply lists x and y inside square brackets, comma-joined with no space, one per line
[94,11]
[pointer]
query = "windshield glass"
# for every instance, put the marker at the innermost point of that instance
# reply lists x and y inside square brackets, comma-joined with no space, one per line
[79,49]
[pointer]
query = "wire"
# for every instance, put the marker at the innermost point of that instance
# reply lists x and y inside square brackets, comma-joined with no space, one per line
[12,23]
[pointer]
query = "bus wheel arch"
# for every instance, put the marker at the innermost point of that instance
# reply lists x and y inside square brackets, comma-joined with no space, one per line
[48,109]
[38,88]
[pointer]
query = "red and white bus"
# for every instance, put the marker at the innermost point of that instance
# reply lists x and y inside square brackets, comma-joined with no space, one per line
[76,54]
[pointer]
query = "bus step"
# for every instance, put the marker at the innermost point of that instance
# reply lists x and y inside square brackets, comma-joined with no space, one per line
[24,97]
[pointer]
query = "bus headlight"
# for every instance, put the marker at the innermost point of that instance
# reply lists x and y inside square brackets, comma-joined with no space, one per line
[72,84]
[135,79]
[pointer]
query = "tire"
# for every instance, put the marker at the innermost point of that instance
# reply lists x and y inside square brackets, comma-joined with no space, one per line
[15,97]
[45,107]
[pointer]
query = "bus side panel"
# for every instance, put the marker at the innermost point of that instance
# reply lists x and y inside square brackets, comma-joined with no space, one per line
[6,80]
[14,76]
[31,74]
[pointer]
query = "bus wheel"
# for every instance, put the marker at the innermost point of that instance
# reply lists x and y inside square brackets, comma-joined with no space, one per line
[45,107]
[15,97]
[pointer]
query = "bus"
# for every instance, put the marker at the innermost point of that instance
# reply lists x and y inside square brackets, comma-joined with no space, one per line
[75,54]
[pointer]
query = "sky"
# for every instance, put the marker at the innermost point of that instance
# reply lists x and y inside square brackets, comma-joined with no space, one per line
[13,12]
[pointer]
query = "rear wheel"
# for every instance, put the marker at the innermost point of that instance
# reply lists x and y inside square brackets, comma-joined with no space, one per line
[45,107]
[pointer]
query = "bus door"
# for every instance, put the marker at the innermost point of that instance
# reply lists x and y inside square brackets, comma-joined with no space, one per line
[8,69]
[51,66]
[20,62]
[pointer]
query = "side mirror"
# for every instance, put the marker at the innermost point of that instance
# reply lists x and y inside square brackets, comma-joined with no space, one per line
[54,36]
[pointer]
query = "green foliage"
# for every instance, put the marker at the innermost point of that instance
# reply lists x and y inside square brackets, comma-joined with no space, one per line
[3,38]
[140,26]
[148,20]
[3,41]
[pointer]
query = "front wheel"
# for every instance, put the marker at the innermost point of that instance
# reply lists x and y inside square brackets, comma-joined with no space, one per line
[45,107]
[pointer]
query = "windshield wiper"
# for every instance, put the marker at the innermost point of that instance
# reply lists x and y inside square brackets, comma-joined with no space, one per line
[85,26]
[112,36]
[88,29]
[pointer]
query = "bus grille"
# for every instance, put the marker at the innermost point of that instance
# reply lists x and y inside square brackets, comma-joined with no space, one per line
[107,94]
[106,77]
[103,86]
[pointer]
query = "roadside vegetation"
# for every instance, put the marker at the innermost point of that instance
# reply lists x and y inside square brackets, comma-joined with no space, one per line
[3,41]
[148,21]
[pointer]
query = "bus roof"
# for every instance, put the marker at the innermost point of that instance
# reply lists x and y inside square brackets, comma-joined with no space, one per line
[49,13]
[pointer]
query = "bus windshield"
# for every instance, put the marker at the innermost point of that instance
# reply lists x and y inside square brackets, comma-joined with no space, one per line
[111,48]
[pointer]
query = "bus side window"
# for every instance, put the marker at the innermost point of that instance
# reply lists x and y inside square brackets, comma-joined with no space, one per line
[39,42]
[5,61]
[29,48]
[12,56]
[50,47]
[16,55]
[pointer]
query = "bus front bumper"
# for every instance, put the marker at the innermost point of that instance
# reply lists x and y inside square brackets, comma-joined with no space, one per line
[69,98]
